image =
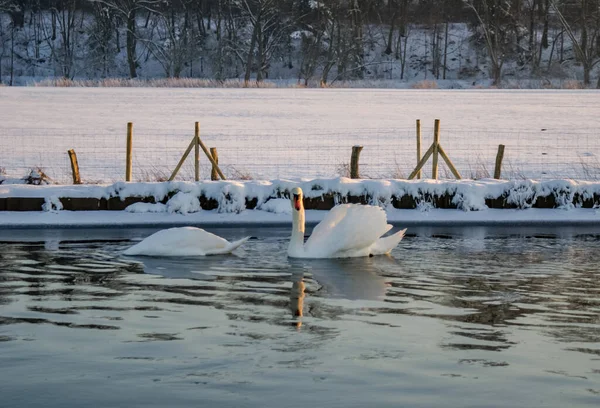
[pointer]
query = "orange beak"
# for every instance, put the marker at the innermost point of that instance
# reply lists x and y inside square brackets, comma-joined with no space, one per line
[297,203]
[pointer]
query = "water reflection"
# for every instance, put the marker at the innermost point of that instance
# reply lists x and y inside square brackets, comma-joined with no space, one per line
[471,303]
[297,294]
[484,291]
[349,278]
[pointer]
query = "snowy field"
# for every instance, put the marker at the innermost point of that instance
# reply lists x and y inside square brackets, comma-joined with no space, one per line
[298,133]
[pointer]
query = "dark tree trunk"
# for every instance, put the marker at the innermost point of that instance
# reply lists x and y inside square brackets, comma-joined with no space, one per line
[12,55]
[250,59]
[388,48]
[131,44]
[545,43]
[261,57]
[445,49]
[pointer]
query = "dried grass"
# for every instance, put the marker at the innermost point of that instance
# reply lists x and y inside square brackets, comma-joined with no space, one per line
[507,83]
[153,83]
[479,170]
[572,84]
[37,176]
[239,174]
[343,169]
[154,174]
[426,84]
[590,169]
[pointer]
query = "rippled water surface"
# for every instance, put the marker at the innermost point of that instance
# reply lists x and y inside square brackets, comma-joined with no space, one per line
[472,317]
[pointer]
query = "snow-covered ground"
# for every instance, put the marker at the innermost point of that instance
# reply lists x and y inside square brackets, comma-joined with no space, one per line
[271,134]
[291,133]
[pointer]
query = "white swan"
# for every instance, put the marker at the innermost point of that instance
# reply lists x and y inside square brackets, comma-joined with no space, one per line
[348,230]
[183,241]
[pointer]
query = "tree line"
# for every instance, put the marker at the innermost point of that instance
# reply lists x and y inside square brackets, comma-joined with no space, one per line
[324,39]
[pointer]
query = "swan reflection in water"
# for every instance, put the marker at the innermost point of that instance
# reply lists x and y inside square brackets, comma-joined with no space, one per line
[347,278]
[297,294]
[344,278]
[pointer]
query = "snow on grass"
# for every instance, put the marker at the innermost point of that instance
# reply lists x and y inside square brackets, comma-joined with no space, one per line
[292,133]
[52,204]
[277,206]
[183,203]
[141,208]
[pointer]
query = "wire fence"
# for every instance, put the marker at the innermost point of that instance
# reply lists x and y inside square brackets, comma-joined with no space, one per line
[298,153]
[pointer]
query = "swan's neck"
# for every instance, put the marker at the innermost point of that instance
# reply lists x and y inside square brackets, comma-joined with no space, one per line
[297,240]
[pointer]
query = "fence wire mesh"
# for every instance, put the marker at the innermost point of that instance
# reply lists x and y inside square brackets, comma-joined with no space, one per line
[298,153]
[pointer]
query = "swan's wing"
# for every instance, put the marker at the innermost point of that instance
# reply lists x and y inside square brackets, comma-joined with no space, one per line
[183,241]
[204,239]
[347,227]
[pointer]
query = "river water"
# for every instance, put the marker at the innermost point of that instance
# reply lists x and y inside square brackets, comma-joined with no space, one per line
[481,317]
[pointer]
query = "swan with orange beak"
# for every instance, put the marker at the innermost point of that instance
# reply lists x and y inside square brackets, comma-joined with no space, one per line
[347,230]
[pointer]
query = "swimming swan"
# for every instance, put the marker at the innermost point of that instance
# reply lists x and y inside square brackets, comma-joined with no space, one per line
[348,230]
[183,241]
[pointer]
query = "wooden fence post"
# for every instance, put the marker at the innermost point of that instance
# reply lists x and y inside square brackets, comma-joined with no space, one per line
[418,146]
[449,162]
[211,160]
[436,143]
[197,152]
[436,150]
[499,157]
[74,166]
[354,161]
[213,173]
[129,157]
[193,143]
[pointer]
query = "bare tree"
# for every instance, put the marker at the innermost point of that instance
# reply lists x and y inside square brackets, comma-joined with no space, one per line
[16,11]
[490,15]
[129,10]
[68,19]
[587,47]
[4,7]
[101,53]
[173,39]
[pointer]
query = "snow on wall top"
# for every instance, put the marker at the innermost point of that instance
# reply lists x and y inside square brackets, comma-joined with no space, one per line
[468,195]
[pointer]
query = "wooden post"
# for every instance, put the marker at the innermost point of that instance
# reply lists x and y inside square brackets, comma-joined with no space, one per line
[354,162]
[418,145]
[499,157]
[436,143]
[185,155]
[421,163]
[74,166]
[210,158]
[128,159]
[449,162]
[197,152]
[213,173]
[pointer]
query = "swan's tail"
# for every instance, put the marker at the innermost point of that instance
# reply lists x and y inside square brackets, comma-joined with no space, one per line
[235,244]
[386,244]
[230,247]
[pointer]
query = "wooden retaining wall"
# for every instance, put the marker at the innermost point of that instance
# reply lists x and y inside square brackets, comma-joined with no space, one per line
[324,202]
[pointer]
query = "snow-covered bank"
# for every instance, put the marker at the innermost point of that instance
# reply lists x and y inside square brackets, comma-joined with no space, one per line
[236,196]
[265,202]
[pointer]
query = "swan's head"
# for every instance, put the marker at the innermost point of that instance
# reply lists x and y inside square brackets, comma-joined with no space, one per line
[296,198]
